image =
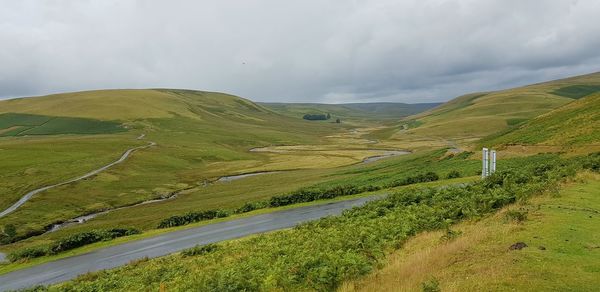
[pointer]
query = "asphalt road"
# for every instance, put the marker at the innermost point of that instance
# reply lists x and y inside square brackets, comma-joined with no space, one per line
[114,256]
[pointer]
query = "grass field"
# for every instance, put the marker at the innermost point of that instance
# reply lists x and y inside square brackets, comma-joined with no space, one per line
[12,124]
[560,231]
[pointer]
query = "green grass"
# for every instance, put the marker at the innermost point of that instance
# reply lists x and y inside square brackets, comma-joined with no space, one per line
[576,91]
[561,254]
[576,123]
[481,114]
[27,124]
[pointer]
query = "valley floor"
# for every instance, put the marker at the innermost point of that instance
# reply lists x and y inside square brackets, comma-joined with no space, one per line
[562,253]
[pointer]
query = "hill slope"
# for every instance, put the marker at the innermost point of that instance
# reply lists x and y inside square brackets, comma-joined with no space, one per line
[351,111]
[199,136]
[480,114]
[576,123]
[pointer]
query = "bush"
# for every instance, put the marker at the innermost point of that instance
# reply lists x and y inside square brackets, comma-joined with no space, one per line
[70,242]
[199,250]
[85,238]
[192,217]
[315,117]
[431,285]
[251,206]
[28,253]
[453,174]
[516,215]
[419,178]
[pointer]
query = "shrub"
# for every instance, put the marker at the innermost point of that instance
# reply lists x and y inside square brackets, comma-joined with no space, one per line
[199,250]
[191,217]
[516,215]
[431,285]
[315,117]
[89,237]
[450,235]
[28,253]
[453,174]
[70,242]
[251,206]
[419,178]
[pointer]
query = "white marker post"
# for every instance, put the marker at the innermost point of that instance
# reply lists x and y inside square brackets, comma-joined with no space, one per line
[493,165]
[485,170]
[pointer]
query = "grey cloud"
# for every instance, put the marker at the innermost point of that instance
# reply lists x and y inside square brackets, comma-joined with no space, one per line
[312,51]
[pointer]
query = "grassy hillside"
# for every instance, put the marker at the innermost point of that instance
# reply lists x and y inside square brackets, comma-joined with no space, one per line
[351,111]
[481,114]
[200,136]
[576,123]
[560,232]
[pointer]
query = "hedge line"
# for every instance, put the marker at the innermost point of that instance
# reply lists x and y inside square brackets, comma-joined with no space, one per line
[70,242]
[299,196]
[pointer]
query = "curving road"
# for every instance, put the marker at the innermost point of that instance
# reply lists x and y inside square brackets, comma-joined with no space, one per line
[114,256]
[28,196]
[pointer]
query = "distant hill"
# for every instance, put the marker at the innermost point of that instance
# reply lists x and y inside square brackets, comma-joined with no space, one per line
[131,104]
[576,123]
[480,114]
[367,111]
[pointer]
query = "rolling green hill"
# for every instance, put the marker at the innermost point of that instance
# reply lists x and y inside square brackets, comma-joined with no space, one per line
[576,123]
[480,114]
[199,136]
[352,111]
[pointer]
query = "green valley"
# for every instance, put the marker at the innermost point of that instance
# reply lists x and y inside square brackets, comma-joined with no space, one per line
[204,158]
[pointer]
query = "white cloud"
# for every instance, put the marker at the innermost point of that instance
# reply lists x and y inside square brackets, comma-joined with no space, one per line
[328,51]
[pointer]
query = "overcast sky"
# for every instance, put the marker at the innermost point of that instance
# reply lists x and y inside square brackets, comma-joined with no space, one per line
[296,51]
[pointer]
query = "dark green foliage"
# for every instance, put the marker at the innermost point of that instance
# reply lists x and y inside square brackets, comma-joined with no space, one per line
[591,162]
[192,217]
[46,125]
[576,91]
[514,122]
[419,178]
[10,230]
[431,285]
[70,242]
[28,253]
[251,206]
[315,117]
[199,250]
[453,174]
[338,120]
[309,195]
[84,238]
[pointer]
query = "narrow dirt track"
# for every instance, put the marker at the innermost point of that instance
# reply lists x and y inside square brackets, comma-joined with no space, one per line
[29,195]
